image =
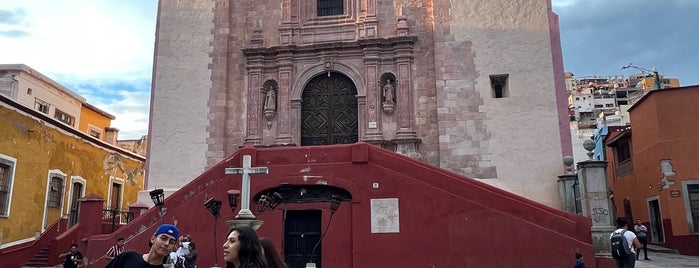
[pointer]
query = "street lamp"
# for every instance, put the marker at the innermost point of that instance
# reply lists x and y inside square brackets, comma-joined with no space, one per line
[158,197]
[658,84]
[233,196]
[214,206]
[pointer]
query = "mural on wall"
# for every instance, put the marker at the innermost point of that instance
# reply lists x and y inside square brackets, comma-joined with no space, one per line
[114,166]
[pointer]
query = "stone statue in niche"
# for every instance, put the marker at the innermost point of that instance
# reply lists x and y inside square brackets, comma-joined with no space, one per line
[270,106]
[271,100]
[389,93]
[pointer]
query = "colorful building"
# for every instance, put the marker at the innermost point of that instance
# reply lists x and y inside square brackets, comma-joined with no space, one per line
[50,158]
[652,167]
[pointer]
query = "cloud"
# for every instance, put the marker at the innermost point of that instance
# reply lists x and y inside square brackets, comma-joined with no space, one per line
[599,36]
[102,50]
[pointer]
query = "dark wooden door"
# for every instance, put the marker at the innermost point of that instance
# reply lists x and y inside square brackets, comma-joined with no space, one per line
[329,111]
[75,204]
[301,234]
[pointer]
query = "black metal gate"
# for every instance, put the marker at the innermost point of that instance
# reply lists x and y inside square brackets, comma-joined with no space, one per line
[302,233]
[329,111]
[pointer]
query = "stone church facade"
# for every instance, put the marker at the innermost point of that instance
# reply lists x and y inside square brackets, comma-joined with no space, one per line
[472,86]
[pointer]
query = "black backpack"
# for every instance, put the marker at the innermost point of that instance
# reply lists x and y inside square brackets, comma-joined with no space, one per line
[620,246]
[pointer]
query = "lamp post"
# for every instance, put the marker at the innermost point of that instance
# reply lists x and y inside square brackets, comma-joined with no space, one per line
[335,201]
[214,206]
[657,84]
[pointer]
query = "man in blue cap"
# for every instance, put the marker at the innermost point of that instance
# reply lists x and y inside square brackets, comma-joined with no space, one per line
[161,244]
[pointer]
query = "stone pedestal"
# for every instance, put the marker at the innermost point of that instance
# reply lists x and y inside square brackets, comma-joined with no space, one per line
[594,196]
[566,190]
[252,223]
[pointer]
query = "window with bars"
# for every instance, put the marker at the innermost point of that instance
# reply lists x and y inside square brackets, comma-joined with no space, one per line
[330,7]
[55,192]
[693,196]
[41,105]
[64,117]
[5,182]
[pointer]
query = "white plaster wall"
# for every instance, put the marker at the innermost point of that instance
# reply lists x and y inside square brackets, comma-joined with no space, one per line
[179,98]
[512,37]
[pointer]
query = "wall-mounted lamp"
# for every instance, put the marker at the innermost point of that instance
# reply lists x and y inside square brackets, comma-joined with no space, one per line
[334,203]
[158,197]
[269,201]
[233,196]
[214,206]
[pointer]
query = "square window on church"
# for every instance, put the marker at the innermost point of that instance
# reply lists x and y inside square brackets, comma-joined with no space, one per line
[498,83]
[330,7]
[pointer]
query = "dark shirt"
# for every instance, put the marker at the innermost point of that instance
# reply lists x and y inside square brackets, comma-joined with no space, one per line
[130,259]
[73,259]
[190,258]
[579,264]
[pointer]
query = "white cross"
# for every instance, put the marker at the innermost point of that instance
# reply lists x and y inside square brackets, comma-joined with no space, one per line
[246,170]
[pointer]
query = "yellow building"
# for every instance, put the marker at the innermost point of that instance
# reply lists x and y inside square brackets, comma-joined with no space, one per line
[46,165]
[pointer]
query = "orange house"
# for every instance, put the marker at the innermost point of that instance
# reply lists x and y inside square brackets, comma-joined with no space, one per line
[652,169]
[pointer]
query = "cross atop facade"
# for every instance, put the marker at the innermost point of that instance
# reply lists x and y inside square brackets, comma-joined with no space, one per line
[246,170]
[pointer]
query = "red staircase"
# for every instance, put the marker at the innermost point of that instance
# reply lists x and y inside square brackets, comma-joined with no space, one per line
[41,258]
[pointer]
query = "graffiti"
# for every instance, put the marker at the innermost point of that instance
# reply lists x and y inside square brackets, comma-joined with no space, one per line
[599,214]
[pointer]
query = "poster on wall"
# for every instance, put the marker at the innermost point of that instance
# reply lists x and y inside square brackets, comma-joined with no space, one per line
[384,216]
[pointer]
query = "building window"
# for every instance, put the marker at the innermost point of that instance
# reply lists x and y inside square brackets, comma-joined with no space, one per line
[29,91]
[693,198]
[95,132]
[499,86]
[64,117]
[330,7]
[7,173]
[623,151]
[41,105]
[55,191]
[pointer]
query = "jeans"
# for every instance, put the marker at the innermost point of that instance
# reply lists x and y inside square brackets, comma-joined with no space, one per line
[644,242]
[629,262]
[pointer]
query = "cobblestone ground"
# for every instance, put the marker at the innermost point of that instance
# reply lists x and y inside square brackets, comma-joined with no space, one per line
[668,260]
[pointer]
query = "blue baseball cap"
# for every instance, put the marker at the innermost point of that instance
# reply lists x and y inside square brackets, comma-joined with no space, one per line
[168,229]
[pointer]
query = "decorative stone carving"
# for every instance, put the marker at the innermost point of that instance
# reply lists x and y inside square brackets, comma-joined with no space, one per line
[269,89]
[388,92]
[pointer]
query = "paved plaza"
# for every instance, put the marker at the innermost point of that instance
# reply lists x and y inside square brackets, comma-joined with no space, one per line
[668,260]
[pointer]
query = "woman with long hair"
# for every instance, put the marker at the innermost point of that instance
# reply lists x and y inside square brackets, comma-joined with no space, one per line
[271,255]
[242,249]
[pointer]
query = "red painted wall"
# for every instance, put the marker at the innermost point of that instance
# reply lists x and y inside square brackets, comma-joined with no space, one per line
[446,220]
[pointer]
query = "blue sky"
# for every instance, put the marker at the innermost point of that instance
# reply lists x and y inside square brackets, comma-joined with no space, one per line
[103,49]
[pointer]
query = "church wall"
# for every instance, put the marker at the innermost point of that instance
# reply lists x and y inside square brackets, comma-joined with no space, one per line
[179,125]
[514,138]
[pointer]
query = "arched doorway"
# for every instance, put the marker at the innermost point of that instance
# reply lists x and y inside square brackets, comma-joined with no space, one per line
[329,110]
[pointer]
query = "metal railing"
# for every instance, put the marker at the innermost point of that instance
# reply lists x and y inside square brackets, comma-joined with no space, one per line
[113,219]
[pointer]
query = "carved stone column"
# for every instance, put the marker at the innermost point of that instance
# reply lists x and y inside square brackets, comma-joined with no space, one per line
[372,125]
[252,132]
[285,61]
[594,196]
[404,91]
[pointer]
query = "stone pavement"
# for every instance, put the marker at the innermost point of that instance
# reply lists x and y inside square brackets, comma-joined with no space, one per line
[665,258]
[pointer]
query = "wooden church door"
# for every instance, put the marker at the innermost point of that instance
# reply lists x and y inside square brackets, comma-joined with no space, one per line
[329,111]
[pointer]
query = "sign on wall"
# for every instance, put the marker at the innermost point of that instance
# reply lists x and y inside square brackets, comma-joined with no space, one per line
[384,216]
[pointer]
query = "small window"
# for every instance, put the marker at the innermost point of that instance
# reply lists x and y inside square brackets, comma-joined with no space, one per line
[623,151]
[6,178]
[29,91]
[41,105]
[55,192]
[64,117]
[693,198]
[330,7]
[95,132]
[499,86]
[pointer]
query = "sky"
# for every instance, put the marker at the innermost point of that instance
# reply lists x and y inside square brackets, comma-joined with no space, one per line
[103,49]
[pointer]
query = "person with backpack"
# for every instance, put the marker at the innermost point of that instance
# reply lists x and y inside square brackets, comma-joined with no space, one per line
[623,245]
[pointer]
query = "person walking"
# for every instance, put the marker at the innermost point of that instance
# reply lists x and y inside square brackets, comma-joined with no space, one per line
[642,234]
[161,244]
[578,260]
[270,253]
[631,244]
[116,249]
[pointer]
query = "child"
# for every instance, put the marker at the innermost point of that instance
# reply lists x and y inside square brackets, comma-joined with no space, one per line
[578,260]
